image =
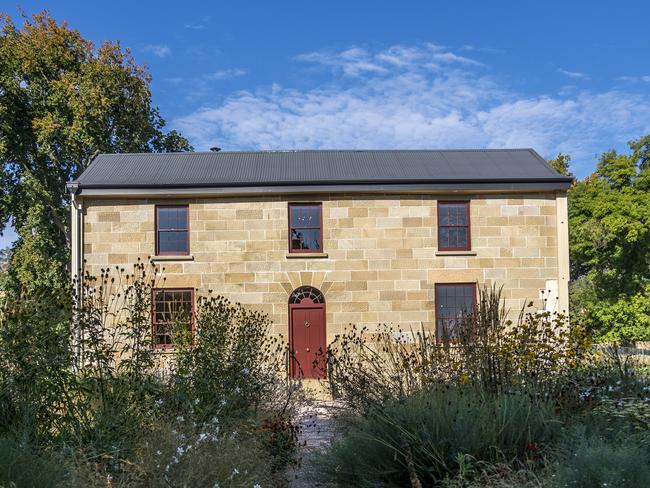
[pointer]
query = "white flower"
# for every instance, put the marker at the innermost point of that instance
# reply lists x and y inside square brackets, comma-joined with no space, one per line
[237,390]
[202,436]
[180,418]
[158,453]
[222,403]
[245,371]
[196,402]
[257,485]
[175,459]
[180,450]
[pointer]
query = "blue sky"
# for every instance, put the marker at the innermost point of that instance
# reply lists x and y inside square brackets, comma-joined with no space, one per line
[570,76]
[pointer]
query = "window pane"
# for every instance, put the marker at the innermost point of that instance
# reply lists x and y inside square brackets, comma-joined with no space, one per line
[453,237]
[453,214]
[443,237]
[444,215]
[172,218]
[297,238]
[462,236]
[305,239]
[305,216]
[460,214]
[172,242]
[311,216]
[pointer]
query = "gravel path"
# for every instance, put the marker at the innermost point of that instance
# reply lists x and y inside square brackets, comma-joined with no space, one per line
[315,418]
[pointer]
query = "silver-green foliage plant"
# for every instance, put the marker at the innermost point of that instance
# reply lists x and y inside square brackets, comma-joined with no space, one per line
[438,435]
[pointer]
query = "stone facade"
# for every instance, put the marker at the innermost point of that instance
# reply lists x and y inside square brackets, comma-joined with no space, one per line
[380,260]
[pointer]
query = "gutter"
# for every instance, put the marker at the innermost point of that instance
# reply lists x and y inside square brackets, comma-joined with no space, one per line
[338,188]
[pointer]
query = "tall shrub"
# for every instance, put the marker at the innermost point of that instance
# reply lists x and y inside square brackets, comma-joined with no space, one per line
[232,363]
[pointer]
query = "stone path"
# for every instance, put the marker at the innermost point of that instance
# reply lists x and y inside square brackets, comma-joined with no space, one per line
[317,431]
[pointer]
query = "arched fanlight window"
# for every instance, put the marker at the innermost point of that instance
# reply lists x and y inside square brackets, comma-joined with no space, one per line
[306,294]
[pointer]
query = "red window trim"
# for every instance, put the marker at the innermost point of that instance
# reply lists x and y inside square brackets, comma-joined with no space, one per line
[187,230]
[153,314]
[320,227]
[437,288]
[468,247]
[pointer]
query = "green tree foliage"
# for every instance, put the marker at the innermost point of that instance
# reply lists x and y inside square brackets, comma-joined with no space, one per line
[561,164]
[609,217]
[62,101]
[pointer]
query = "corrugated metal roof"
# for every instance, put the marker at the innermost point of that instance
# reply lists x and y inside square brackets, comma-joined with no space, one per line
[333,167]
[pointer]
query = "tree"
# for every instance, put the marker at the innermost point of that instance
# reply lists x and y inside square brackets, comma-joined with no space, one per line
[609,228]
[62,101]
[561,164]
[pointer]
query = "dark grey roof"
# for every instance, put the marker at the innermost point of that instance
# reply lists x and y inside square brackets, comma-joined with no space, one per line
[324,167]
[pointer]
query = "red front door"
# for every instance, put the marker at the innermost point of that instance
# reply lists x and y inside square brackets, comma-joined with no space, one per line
[308,340]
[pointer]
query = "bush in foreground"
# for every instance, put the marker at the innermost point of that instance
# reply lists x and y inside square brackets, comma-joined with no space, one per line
[21,465]
[438,434]
[79,374]
[589,460]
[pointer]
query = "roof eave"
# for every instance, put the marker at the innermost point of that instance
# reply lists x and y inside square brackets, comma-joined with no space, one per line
[238,190]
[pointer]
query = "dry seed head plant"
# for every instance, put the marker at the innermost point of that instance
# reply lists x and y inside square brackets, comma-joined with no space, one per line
[537,351]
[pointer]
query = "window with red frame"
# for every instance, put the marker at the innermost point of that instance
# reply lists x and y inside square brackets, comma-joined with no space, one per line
[172,230]
[305,227]
[454,303]
[453,226]
[172,312]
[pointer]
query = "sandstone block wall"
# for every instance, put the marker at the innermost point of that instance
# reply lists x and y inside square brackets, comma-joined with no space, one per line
[381,261]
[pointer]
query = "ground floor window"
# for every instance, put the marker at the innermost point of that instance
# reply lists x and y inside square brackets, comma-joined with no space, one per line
[454,302]
[173,310]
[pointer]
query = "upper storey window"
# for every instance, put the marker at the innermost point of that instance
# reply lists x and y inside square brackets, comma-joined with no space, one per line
[454,226]
[305,227]
[172,230]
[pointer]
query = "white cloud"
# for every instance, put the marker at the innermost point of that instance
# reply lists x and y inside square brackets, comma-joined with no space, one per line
[353,62]
[357,61]
[225,74]
[634,78]
[195,26]
[397,102]
[573,74]
[160,50]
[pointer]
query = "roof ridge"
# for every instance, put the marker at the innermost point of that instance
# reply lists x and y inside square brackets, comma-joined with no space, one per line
[271,151]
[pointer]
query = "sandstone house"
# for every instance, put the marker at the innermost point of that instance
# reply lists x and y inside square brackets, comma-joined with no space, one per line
[322,239]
